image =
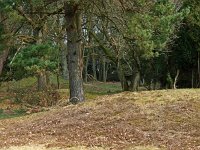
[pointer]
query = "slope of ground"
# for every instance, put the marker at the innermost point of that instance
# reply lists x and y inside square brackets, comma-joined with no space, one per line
[18,98]
[153,120]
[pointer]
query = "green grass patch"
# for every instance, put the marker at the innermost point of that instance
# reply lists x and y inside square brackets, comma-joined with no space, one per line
[64,84]
[18,85]
[99,88]
[94,88]
[4,114]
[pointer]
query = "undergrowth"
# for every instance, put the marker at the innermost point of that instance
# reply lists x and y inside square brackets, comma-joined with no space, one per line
[25,92]
[4,114]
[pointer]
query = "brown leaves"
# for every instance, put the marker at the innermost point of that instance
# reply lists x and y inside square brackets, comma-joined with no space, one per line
[164,119]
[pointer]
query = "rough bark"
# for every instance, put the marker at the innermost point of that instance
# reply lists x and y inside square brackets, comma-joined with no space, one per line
[5,52]
[135,82]
[3,57]
[65,72]
[131,82]
[73,27]
[42,81]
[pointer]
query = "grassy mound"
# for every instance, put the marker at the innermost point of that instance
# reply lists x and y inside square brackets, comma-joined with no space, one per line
[19,97]
[156,120]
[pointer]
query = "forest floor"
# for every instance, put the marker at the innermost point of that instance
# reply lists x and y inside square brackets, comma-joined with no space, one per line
[147,120]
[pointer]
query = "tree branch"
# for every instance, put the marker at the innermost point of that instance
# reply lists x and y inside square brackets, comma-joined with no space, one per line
[105,50]
[22,13]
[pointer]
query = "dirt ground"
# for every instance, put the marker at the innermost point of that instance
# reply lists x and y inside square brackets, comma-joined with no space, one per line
[155,120]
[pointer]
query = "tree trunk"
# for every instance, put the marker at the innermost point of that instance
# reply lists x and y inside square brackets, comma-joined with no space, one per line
[94,66]
[135,81]
[73,22]
[65,72]
[169,81]
[126,86]
[136,74]
[192,82]
[126,80]
[120,75]
[42,76]
[5,52]
[100,71]
[176,78]
[42,81]
[58,81]
[3,57]
[104,69]
[86,68]
[198,61]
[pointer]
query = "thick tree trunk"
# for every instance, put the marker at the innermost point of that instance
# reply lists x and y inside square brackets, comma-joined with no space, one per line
[65,72]
[3,57]
[42,81]
[5,52]
[75,64]
[135,82]
[136,67]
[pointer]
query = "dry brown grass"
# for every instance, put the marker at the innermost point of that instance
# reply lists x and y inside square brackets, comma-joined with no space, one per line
[156,120]
[42,147]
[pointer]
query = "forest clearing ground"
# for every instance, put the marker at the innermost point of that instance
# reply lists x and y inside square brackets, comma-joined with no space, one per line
[154,120]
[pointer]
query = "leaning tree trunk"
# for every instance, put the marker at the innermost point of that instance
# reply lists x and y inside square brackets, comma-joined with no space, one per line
[75,64]
[176,79]
[5,52]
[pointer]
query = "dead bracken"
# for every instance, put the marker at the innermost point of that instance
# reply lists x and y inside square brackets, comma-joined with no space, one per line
[161,119]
